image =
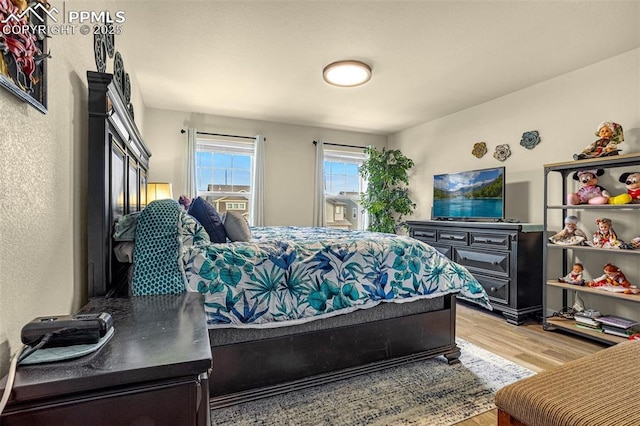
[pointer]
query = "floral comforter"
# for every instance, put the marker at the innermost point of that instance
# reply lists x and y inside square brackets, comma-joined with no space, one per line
[288,275]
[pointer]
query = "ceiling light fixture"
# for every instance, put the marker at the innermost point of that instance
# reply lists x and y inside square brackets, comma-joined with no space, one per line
[347,73]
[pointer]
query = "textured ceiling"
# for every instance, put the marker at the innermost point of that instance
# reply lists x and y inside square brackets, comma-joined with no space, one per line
[263,60]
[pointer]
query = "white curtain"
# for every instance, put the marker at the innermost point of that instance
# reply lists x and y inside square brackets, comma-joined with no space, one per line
[365,214]
[191,189]
[319,218]
[257,187]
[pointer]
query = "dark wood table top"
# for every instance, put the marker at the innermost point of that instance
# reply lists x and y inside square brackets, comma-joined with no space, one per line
[156,338]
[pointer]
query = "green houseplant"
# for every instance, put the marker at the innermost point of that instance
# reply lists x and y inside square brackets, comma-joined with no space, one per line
[387,197]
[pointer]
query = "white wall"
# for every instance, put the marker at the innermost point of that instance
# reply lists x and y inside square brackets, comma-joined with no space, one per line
[566,111]
[290,156]
[43,187]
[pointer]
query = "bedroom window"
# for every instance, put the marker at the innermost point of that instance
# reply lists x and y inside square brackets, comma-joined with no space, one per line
[223,174]
[343,185]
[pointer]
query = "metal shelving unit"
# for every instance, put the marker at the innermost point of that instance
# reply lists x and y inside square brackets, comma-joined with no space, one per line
[565,169]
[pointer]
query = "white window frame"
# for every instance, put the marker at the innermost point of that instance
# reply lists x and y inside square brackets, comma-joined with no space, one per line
[227,147]
[354,158]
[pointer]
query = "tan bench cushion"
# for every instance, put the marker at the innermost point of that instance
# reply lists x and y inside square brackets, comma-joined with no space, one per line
[599,389]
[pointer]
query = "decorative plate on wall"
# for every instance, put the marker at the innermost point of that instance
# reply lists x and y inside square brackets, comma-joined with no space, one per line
[110,40]
[530,139]
[118,71]
[502,152]
[100,51]
[479,149]
[127,88]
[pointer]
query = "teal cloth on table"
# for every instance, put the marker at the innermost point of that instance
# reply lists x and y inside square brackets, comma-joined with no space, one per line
[156,256]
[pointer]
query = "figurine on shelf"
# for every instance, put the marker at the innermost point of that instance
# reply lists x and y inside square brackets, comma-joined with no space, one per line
[613,280]
[575,276]
[605,236]
[610,135]
[591,192]
[570,235]
[634,244]
[632,182]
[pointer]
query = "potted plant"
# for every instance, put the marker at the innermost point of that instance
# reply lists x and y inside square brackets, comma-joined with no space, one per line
[387,197]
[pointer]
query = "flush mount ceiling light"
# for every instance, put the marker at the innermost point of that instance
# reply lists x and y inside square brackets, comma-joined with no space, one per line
[347,73]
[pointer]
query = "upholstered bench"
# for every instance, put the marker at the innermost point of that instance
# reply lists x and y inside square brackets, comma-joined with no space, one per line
[596,390]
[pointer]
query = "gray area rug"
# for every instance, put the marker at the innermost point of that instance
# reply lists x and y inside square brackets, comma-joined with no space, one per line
[429,392]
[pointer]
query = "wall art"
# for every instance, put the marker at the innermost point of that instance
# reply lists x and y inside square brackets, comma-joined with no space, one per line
[530,139]
[502,152]
[23,51]
[479,149]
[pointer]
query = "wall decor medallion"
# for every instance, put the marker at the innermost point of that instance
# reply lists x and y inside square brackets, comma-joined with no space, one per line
[479,149]
[530,139]
[110,38]
[118,71]
[127,88]
[502,152]
[23,50]
[100,51]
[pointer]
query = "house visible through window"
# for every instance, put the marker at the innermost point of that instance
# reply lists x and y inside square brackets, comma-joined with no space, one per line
[223,174]
[343,186]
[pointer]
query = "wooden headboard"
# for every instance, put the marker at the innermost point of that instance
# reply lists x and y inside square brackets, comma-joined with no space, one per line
[118,162]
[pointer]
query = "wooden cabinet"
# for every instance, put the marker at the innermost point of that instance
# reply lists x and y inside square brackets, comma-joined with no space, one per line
[153,371]
[593,258]
[505,258]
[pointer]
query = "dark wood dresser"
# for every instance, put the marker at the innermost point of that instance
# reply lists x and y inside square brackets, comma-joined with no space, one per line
[505,258]
[153,371]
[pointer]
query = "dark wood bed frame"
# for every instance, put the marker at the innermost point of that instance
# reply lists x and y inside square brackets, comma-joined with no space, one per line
[118,162]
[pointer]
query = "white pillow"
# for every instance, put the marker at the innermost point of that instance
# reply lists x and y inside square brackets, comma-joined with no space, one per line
[236,226]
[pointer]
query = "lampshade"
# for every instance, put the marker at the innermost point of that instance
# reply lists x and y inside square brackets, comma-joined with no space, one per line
[347,73]
[158,191]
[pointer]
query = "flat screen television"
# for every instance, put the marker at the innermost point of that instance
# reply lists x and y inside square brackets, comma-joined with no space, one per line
[471,195]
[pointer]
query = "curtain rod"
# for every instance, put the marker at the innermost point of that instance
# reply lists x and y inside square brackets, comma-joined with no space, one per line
[221,134]
[339,144]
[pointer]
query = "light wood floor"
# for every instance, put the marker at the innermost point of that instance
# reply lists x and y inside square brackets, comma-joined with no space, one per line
[528,345]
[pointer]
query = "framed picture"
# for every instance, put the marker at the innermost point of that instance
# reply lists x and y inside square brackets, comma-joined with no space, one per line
[23,52]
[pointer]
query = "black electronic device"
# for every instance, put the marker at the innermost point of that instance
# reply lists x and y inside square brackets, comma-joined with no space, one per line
[67,330]
[474,195]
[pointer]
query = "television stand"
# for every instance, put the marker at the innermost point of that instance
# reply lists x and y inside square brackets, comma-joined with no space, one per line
[505,258]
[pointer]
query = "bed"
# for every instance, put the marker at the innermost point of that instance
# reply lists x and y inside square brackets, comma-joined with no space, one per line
[350,310]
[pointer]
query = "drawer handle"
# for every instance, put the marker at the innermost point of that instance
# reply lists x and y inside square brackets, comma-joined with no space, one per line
[425,234]
[489,241]
[495,263]
[493,289]
[453,237]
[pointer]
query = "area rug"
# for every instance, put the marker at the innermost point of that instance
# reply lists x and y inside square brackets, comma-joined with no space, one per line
[430,393]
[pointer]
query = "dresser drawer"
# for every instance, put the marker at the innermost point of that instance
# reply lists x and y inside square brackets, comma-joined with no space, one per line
[453,237]
[446,250]
[424,234]
[496,263]
[501,241]
[497,289]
